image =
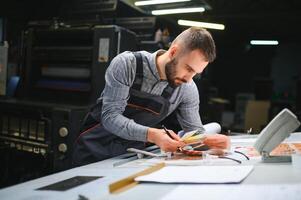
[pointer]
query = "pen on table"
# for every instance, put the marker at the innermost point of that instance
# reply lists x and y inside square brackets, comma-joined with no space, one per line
[167,132]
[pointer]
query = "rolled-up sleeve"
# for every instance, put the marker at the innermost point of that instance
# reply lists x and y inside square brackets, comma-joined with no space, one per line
[188,110]
[119,78]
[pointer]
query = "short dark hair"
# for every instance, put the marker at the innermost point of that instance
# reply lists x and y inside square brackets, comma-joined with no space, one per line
[198,38]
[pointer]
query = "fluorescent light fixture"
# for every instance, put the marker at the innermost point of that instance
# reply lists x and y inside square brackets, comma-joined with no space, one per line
[178,10]
[153,2]
[201,24]
[264,42]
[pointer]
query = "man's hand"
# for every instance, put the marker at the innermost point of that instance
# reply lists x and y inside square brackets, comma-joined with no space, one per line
[217,141]
[160,138]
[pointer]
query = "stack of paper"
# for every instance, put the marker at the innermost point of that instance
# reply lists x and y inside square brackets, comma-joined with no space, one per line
[197,135]
[198,174]
[192,136]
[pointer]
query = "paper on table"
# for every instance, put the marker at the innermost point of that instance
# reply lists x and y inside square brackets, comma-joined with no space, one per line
[198,174]
[210,128]
[210,160]
[235,192]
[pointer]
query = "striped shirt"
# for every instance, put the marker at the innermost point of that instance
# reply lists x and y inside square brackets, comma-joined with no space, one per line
[119,78]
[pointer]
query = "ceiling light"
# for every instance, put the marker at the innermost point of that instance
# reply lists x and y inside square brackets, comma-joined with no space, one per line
[201,24]
[264,42]
[153,2]
[178,10]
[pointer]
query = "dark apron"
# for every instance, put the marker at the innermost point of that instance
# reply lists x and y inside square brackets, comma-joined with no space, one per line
[95,143]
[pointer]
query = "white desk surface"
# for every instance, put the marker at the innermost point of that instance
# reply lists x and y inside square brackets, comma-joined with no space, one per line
[264,178]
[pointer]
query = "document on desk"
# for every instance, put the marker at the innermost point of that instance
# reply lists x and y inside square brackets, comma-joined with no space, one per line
[198,174]
[235,192]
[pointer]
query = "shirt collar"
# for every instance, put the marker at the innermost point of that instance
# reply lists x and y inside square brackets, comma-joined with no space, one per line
[153,62]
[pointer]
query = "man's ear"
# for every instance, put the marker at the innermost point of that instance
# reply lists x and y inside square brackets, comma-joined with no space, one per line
[173,50]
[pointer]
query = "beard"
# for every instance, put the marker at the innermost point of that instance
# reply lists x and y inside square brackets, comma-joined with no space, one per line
[170,71]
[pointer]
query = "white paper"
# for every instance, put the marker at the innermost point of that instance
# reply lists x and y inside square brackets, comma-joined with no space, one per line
[198,174]
[236,192]
[103,50]
[248,141]
[208,161]
[293,138]
[212,128]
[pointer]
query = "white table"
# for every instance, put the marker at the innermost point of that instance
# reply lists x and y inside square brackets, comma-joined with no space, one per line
[265,178]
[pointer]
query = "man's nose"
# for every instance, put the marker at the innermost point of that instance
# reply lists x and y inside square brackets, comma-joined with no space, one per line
[188,77]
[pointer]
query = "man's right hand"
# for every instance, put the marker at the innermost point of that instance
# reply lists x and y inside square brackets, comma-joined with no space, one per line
[161,139]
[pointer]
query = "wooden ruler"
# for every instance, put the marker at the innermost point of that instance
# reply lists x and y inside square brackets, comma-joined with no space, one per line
[129,182]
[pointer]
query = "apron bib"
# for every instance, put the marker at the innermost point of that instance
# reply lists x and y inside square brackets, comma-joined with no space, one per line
[95,143]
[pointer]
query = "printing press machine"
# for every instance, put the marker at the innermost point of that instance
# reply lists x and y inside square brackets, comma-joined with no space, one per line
[62,76]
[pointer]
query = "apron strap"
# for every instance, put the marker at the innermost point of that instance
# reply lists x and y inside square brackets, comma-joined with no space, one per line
[167,92]
[139,72]
[136,85]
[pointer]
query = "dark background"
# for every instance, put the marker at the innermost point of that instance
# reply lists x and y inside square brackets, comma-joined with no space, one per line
[238,64]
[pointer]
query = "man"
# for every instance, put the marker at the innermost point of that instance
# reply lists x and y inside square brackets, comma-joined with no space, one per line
[141,90]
